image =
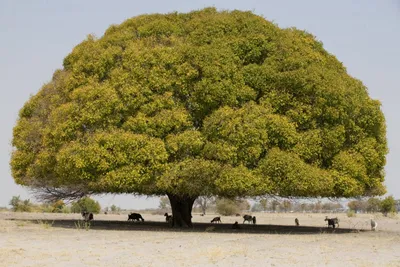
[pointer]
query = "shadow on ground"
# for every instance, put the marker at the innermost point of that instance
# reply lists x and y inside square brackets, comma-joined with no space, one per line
[197,227]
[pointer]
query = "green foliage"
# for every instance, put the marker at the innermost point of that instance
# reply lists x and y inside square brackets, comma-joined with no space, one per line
[357,205]
[373,204]
[370,205]
[45,208]
[58,206]
[66,209]
[85,204]
[351,213]
[388,205]
[115,209]
[15,202]
[198,104]
[19,205]
[227,207]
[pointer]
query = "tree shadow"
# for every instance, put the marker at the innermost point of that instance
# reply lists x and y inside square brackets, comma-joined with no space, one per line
[157,226]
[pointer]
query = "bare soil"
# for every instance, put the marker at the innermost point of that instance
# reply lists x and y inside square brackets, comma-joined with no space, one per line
[40,239]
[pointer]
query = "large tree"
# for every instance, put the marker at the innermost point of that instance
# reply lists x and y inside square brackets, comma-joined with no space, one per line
[200,104]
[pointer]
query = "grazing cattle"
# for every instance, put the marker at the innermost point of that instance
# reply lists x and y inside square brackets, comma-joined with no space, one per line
[236,225]
[254,219]
[135,217]
[216,219]
[87,216]
[296,221]
[248,218]
[374,224]
[332,221]
[202,214]
[237,214]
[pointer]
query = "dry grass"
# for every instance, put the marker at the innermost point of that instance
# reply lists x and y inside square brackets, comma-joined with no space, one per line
[28,242]
[45,224]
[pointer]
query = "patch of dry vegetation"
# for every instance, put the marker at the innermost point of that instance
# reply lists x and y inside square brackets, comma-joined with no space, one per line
[24,243]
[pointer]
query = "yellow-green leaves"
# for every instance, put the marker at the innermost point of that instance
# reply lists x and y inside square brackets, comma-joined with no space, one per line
[351,164]
[161,124]
[90,60]
[28,135]
[309,146]
[346,186]
[290,176]
[374,155]
[240,181]
[250,130]
[21,161]
[221,151]
[190,177]
[98,105]
[185,145]
[112,154]
[202,103]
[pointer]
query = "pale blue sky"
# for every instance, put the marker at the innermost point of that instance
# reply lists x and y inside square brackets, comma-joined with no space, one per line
[35,36]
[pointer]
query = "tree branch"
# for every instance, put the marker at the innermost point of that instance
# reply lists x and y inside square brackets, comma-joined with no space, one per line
[51,194]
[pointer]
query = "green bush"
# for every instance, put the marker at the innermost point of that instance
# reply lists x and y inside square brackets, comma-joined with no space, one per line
[227,207]
[373,204]
[85,204]
[17,204]
[66,209]
[351,213]
[388,205]
[115,209]
[45,208]
[58,206]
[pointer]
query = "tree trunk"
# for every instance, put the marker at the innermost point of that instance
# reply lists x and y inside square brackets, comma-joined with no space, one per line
[204,209]
[181,210]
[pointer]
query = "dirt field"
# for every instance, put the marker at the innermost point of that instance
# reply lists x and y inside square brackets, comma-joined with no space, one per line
[35,239]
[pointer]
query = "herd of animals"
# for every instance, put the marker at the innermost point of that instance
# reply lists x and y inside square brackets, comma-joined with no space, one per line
[88,216]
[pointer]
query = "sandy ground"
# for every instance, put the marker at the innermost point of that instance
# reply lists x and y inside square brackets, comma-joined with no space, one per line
[35,239]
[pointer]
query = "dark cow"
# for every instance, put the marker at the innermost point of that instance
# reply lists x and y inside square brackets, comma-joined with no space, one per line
[87,216]
[296,221]
[135,217]
[248,218]
[216,219]
[332,221]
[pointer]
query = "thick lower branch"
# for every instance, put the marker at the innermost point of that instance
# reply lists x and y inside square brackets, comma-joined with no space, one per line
[51,194]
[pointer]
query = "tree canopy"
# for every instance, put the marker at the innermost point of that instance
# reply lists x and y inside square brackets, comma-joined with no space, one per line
[203,103]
